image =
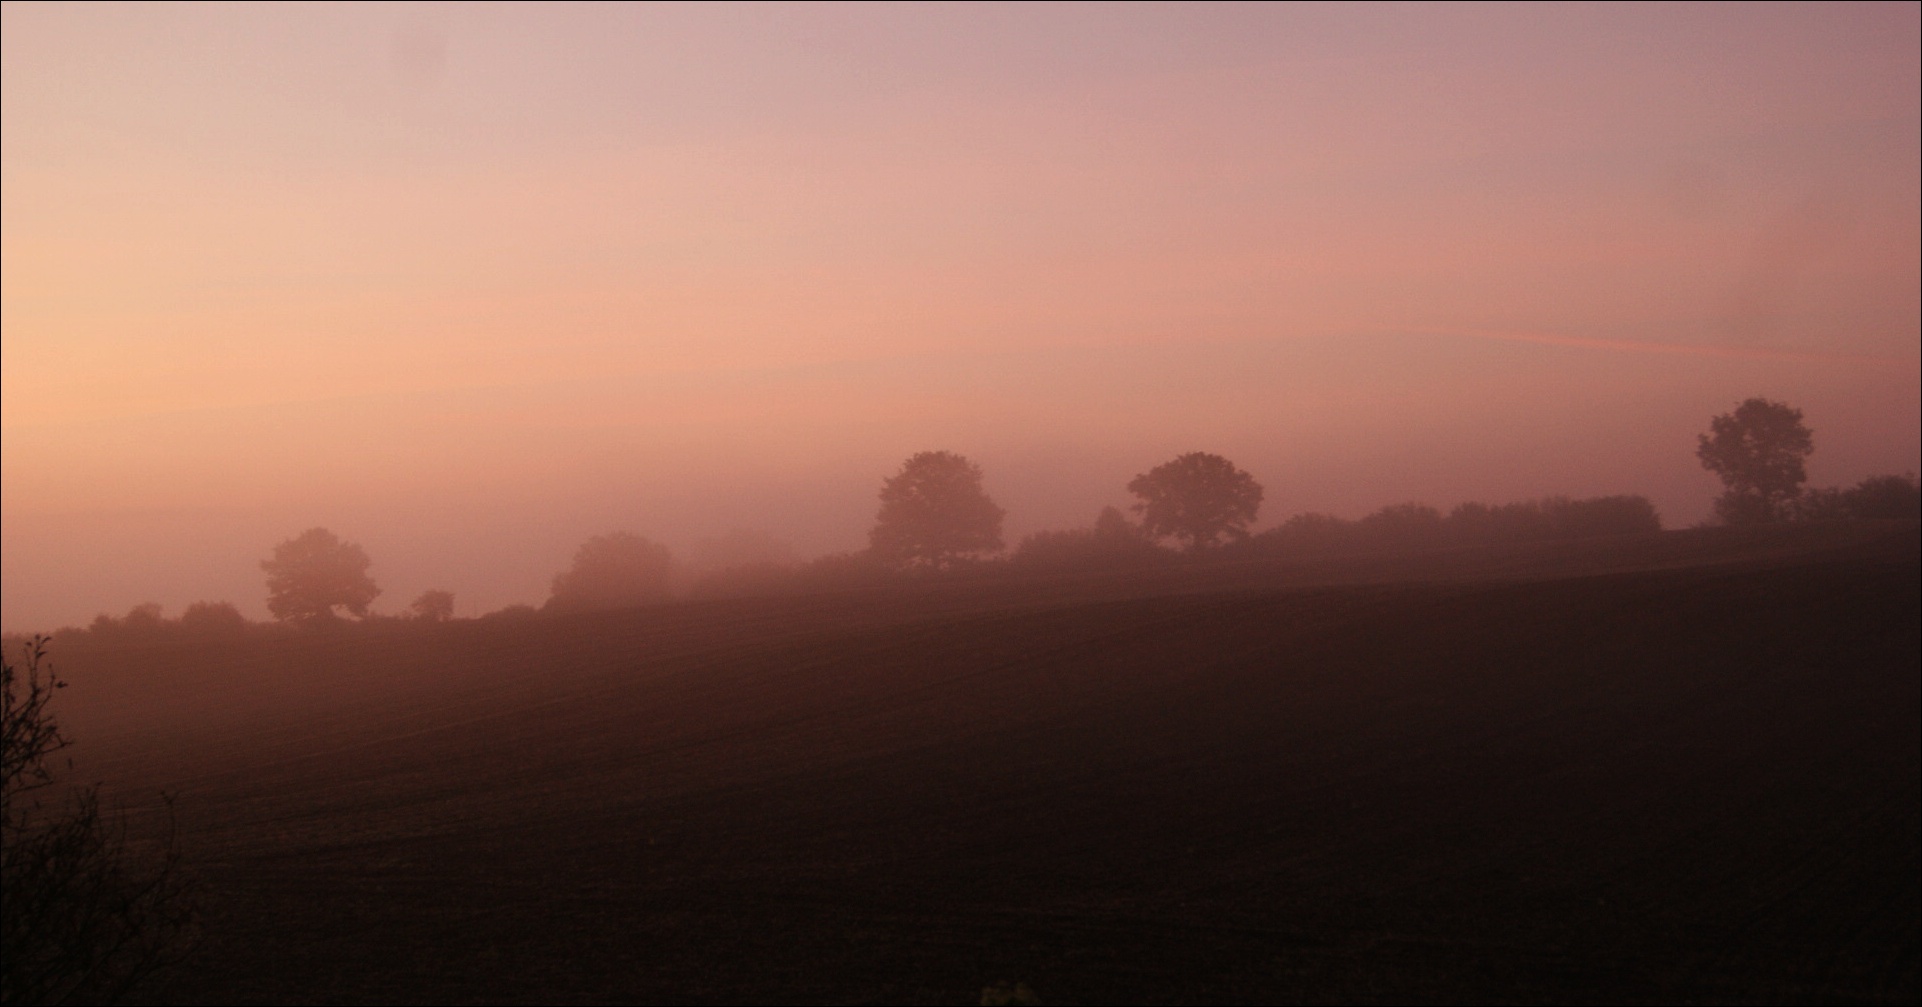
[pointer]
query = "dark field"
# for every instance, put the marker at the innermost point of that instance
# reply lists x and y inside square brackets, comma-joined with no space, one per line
[1680,767]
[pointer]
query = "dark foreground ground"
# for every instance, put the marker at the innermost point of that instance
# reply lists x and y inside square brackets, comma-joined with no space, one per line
[1494,779]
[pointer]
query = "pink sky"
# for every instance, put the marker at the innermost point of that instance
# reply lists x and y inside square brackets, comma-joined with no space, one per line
[468,285]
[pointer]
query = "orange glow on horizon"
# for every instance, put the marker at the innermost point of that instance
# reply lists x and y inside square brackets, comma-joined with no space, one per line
[565,277]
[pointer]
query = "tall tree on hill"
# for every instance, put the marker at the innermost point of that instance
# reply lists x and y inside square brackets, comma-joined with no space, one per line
[934,513]
[314,573]
[1199,498]
[1757,450]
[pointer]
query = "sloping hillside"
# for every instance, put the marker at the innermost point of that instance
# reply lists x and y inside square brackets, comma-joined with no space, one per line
[1691,780]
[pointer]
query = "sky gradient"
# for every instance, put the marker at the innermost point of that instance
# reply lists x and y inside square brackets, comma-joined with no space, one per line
[467,285]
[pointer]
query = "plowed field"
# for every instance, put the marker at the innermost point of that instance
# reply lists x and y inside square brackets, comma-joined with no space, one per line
[1694,778]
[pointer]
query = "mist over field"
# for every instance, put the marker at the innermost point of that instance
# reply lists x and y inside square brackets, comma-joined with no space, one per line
[961,504]
[468,285]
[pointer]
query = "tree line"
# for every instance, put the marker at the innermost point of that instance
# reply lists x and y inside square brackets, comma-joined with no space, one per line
[935,516]
[85,920]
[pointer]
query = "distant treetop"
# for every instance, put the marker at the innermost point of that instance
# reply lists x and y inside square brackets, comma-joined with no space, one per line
[314,573]
[616,570]
[1199,498]
[1757,451]
[435,605]
[934,512]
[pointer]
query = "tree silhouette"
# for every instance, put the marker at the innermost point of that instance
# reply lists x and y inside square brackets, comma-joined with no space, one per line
[1199,498]
[934,512]
[145,617]
[313,573]
[85,919]
[1757,451]
[616,570]
[435,605]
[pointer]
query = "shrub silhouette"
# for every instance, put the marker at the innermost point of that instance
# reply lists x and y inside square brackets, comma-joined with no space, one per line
[1308,533]
[1614,515]
[1114,541]
[1883,497]
[1416,526]
[1551,518]
[144,619]
[83,919]
[1875,498]
[1401,526]
[212,617]
[433,605]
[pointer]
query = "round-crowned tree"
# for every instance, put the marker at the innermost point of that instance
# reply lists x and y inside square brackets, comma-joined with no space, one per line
[1757,450]
[616,570]
[314,573]
[934,512]
[1198,498]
